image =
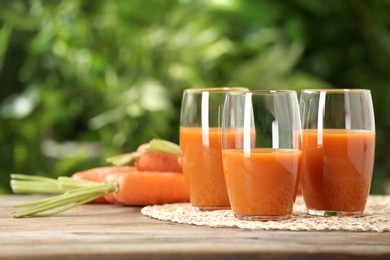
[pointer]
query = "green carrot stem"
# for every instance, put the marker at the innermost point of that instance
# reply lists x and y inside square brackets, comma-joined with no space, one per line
[84,190]
[67,200]
[65,208]
[75,192]
[19,186]
[32,177]
[69,183]
[32,203]
[163,146]
[21,183]
[123,159]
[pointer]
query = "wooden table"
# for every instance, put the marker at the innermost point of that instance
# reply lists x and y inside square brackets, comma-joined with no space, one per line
[116,232]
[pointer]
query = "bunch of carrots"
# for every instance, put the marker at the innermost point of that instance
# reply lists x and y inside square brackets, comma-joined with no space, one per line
[150,175]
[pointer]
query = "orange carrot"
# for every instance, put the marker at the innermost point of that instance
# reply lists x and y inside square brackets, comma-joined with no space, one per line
[157,155]
[99,174]
[156,178]
[133,188]
[110,197]
[138,188]
[157,161]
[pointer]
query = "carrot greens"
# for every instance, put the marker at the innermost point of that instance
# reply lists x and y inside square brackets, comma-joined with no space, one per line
[155,178]
[22,183]
[123,159]
[76,192]
[155,145]
[163,146]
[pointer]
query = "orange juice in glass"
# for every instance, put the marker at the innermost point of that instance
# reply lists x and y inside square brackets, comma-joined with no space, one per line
[261,153]
[338,148]
[200,144]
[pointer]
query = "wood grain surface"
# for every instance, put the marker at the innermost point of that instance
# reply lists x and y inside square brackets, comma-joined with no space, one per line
[117,232]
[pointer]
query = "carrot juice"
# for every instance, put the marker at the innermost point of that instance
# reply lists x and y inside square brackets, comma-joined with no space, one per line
[202,167]
[337,167]
[262,184]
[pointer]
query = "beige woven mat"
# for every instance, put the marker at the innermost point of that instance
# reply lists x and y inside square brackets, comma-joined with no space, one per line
[376,218]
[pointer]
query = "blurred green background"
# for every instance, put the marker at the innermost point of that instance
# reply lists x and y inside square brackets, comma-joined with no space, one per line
[83,80]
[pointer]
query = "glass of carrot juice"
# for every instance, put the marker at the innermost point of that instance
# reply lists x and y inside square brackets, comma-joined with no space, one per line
[338,147]
[261,153]
[200,144]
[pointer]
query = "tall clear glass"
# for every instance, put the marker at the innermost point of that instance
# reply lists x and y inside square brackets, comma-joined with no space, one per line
[261,152]
[200,143]
[338,148]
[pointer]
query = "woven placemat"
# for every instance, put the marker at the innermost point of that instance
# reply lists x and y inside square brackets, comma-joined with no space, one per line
[376,218]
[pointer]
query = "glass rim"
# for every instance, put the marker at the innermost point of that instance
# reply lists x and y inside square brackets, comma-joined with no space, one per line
[214,89]
[336,90]
[264,91]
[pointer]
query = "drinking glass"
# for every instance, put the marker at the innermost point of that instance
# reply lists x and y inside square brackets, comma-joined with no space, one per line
[200,143]
[261,153]
[338,147]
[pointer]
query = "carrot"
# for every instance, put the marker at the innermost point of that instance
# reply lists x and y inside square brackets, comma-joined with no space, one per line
[145,188]
[157,155]
[99,174]
[133,188]
[157,161]
[155,179]
[110,197]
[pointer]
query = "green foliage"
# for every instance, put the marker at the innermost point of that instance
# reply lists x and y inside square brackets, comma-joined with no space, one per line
[84,80]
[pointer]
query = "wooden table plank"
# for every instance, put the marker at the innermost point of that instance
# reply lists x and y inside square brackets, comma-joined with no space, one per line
[116,232]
